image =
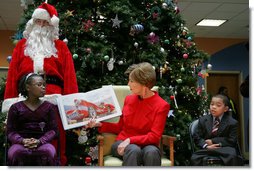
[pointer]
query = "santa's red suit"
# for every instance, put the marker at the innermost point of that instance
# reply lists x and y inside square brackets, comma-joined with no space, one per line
[59,73]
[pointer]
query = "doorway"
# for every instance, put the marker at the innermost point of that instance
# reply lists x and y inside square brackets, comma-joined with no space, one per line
[231,80]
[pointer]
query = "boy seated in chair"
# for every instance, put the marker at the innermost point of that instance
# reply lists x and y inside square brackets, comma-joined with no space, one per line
[216,135]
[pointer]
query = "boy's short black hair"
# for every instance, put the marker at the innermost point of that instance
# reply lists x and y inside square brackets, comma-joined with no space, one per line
[224,99]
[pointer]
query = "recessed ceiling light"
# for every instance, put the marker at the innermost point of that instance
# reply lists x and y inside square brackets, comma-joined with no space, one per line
[211,22]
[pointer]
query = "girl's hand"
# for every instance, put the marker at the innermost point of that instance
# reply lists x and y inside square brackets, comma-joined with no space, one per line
[31,142]
[26,142]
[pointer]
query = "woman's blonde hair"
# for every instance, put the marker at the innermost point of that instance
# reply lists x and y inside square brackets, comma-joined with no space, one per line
[142,73]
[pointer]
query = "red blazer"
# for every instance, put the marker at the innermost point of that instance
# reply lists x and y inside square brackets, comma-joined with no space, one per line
[61,67]
[143,120]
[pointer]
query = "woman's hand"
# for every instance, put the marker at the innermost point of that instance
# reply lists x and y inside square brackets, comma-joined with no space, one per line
[121,147]
[92,123]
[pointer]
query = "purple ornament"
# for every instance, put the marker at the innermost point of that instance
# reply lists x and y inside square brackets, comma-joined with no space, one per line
[177,10]
[152,38]
[9,59]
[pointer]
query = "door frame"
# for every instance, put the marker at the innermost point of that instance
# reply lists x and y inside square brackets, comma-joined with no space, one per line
[242,119]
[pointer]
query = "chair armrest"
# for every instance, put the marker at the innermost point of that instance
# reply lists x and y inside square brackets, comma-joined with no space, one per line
[169,141]
[104,147]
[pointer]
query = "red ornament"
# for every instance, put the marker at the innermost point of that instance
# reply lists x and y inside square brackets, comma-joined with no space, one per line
[185,56]
[88,161]
[172,97]
[88,25]
[155,15]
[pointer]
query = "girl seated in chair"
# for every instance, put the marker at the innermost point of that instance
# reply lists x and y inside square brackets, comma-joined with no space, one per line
[31,125]
[143,120]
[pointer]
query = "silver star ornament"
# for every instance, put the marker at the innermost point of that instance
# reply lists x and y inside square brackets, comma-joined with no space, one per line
[116,22]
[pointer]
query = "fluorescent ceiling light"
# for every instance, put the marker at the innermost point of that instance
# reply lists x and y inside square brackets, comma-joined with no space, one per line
[211,22]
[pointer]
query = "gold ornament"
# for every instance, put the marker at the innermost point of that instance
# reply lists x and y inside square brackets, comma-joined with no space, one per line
[69,13]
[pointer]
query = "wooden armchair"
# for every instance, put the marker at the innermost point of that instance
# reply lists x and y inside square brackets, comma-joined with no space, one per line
[107,139]
[106,159]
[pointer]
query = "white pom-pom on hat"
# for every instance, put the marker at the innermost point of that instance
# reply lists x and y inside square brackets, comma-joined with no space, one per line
[55,21]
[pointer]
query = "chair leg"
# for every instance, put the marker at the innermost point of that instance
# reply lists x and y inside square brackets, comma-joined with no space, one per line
[171,145]
[100,150]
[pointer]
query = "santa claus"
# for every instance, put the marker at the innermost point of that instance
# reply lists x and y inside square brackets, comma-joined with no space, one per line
[42,52]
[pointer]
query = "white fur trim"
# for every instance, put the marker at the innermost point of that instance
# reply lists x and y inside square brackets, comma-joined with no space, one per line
[38,63]
[10,101]
[55,20]
[41,13]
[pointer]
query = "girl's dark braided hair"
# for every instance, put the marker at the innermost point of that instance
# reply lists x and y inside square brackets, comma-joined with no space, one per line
[26,79]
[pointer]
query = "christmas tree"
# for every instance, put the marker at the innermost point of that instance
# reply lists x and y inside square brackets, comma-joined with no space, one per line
[107,36]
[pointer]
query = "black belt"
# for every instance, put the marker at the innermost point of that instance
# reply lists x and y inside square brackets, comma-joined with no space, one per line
[51,79]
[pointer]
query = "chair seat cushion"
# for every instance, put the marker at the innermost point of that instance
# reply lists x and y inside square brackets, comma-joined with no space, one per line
[109,160]
[165,162]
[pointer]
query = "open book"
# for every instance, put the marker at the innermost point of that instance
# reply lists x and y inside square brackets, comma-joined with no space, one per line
[78,108]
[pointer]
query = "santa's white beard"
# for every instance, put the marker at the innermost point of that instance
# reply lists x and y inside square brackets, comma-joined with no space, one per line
[39,45]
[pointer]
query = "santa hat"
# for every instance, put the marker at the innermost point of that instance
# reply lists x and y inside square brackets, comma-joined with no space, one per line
[46,12]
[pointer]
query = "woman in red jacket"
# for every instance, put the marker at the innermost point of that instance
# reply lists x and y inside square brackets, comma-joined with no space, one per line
[143,120]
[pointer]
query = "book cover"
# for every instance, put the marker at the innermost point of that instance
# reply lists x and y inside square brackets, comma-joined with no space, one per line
[78,108]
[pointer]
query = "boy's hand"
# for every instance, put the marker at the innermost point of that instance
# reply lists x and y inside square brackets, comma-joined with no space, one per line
[209,142]
[213,146]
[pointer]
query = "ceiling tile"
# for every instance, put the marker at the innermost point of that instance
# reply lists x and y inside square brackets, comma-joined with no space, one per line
[208,7]
[232,7]
[221,15]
